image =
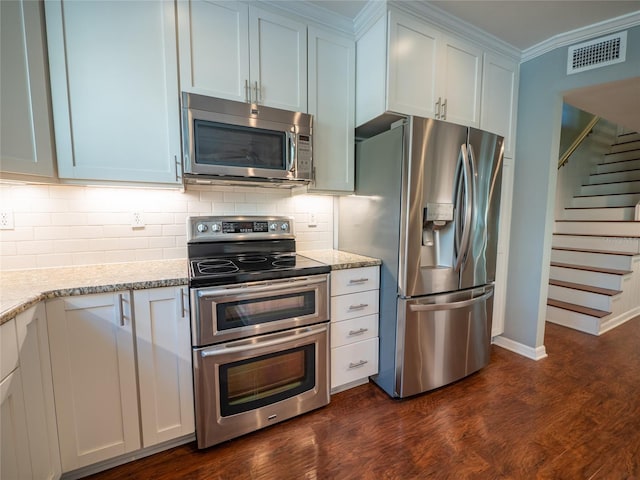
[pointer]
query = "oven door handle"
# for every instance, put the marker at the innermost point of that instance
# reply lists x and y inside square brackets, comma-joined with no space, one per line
[252,343]
[263,287]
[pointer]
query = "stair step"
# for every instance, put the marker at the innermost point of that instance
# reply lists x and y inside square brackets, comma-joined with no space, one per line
[619,200]
[592,312]
[625,146]
[628,137]
[594,259]
[588,268]
[585,288]
[597,279]
[616,157]
[616,188]
[618,166]
[613,228]
[612,177]
[605,213]
[601,242]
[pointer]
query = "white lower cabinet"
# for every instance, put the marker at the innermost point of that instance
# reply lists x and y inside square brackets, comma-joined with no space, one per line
[29,444]
[35,367]
[354,326]
[96,376]
[15,459]
[164,363]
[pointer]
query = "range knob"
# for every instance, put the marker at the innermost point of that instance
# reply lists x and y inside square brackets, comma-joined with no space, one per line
[273,227]
[284,227]
[215,227]
[202,227]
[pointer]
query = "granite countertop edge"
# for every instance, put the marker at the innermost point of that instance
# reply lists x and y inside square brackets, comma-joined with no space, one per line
[164,273]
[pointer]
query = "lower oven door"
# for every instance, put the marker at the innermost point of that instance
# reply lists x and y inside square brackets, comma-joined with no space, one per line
[245,385]
[224,313]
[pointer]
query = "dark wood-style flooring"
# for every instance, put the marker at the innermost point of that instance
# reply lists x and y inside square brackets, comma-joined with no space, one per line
[573,415]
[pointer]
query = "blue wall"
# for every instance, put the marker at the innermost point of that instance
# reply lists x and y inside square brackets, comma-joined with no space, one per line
[543,81]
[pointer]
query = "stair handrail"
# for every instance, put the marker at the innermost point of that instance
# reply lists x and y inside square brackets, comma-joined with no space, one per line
[576,143]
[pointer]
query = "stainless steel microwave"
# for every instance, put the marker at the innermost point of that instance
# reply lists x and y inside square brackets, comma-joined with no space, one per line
[234,141]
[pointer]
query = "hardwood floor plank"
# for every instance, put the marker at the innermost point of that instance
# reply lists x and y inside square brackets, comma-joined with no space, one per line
[574,414]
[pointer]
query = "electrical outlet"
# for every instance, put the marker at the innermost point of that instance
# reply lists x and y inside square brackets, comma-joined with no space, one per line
[137,220]
[6,220]
[312,220]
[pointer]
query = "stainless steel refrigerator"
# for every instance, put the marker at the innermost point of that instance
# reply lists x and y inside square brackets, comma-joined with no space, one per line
[427,203]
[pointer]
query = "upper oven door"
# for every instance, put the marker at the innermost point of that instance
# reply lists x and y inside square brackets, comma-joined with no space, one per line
[220,314]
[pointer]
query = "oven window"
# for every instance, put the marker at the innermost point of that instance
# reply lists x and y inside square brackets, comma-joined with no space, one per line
[253,383]
[263,310]
[237,146]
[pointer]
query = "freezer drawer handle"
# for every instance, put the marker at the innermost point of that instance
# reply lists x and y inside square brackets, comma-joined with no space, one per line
[360,331]
[429,307]
[358,307]
[357,364]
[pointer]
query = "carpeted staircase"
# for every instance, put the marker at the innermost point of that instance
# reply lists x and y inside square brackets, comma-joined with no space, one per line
[594,280]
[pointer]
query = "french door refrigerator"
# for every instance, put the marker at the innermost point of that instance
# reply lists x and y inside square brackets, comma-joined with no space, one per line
[427,203]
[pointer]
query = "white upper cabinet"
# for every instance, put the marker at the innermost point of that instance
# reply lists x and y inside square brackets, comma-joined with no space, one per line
[429,73]
[241,52]
[114,87]
[332,104]
[499,99]
[25,125]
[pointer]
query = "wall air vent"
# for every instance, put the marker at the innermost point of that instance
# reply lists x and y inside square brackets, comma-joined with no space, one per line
[597,53]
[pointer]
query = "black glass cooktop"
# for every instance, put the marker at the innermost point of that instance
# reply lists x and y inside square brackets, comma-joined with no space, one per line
[251,267]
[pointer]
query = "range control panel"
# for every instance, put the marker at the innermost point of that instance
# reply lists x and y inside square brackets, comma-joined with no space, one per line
[229,228]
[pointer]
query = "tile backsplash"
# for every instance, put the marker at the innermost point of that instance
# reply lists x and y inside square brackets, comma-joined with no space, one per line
[56,225]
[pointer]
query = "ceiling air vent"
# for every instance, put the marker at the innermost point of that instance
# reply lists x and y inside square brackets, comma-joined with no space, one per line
[597,53]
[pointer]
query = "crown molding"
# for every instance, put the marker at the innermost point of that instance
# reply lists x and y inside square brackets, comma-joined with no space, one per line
[370,13]
[313,13]
[452,24]
[582,34]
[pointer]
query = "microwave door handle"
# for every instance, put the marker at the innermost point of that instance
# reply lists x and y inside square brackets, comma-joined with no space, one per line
[291,152]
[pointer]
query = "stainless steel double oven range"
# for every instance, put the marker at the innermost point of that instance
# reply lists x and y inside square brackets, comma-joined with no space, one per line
[259,325]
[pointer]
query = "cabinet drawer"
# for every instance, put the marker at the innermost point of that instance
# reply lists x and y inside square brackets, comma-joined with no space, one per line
[355,280]
[354,305]
[354,330]
[354,361]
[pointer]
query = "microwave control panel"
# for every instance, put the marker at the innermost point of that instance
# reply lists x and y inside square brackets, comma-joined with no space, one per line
[304,155]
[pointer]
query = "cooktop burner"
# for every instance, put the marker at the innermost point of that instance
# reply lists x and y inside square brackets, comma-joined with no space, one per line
[248,268]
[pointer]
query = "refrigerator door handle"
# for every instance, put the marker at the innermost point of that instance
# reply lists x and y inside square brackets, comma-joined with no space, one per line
[462,244]
[430,307]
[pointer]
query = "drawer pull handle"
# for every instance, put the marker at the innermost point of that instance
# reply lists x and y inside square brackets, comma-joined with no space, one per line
[360,331]
[357,364]
[358,280]
[358,307]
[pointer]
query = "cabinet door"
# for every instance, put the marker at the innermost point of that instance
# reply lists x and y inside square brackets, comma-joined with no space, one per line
[413,56]
[35,367]
[460,80]
[115,90]
[25,125]
[499,99]
[94,379]
[14,441]
[332,104]
[164,363]
[214,48]
[278,60]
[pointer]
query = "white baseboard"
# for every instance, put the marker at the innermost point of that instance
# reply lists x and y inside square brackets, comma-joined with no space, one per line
[537,353]
[619,320]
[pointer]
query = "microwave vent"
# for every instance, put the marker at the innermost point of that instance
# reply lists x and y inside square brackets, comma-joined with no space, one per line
[597,53]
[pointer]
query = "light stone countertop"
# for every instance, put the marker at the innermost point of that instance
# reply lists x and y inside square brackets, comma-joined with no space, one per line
[339,260]
[21,289]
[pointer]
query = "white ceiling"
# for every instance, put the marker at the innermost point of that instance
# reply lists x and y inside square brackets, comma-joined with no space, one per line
[520,23]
